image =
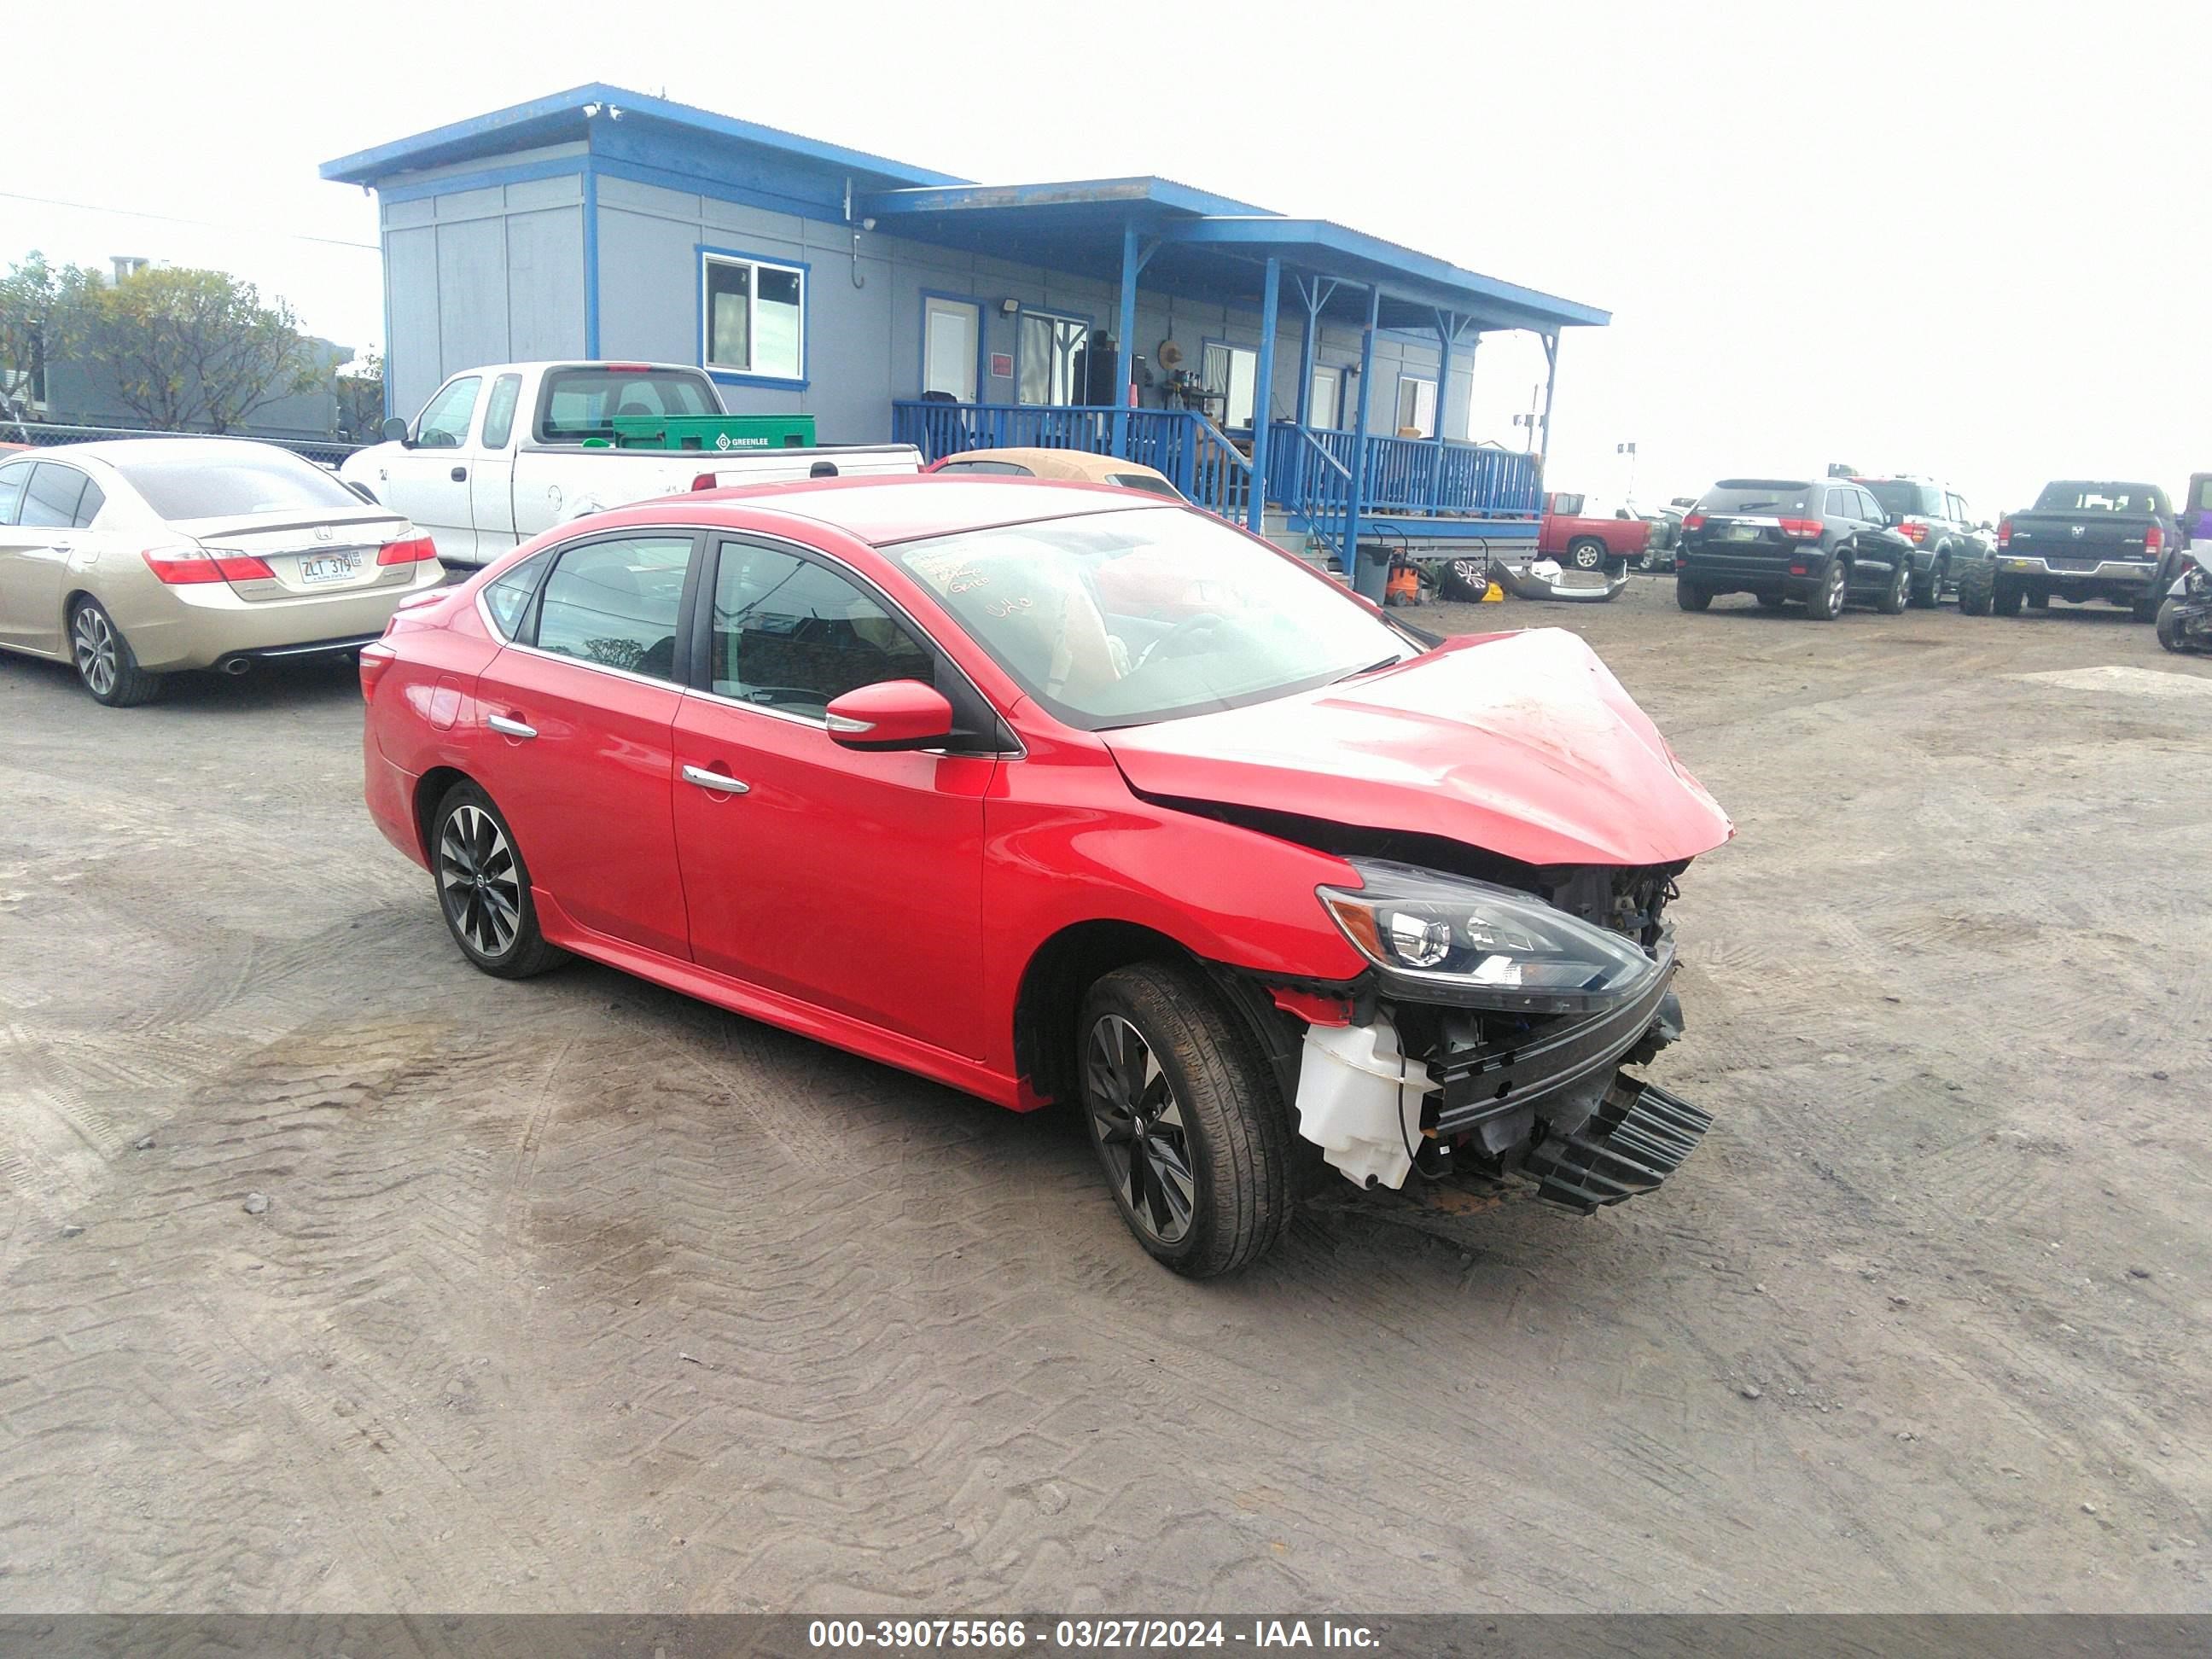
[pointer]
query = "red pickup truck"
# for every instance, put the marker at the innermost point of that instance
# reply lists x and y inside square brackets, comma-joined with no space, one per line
[1588,543]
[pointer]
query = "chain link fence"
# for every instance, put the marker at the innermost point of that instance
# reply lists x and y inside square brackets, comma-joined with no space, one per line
[41,434]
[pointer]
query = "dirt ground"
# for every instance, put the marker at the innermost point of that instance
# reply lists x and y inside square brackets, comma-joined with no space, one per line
[576,1295]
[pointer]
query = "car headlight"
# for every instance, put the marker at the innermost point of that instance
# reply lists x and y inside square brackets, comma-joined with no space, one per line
[1453,940]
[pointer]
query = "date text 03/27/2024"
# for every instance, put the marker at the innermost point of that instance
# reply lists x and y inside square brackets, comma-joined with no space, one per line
[1084,1635]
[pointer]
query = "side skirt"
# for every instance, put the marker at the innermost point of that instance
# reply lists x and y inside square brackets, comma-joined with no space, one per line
[774,1008]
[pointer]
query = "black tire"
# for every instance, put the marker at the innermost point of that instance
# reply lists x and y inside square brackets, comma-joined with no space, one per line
[1898,594]
[2145,609]
[1210,1107]
[2169,626]
[1690,597]
[1975,583]
[1588,553]
[1466,579]
[106,665]
[1927,590]
[2039,601]
[1772,602]
[2004,599]
[1825,603]
[483,887]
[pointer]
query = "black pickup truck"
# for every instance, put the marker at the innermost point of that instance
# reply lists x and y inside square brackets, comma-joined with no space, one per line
[2083,539]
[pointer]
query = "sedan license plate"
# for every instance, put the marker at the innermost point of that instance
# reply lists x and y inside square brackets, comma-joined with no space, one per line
[328,568]
[1742,532]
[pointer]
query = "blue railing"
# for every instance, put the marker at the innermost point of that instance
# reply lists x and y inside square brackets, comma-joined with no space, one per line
[1408,476]
[1310,471]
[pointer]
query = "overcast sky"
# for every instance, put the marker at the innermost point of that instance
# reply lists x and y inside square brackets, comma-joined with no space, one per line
[1958,240]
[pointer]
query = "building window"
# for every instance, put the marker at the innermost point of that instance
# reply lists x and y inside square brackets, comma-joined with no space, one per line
[756,317]
[1054,354]
[1234,372]
[951,333]
[1321,405]
[1417,406]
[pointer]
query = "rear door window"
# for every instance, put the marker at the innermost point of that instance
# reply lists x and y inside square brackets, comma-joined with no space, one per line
[791,634]
[12,480]
[615,603]
[51,502]
[88,504]
[499,411]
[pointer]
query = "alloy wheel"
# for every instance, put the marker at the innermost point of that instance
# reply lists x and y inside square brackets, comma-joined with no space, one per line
[476,880]
[1831,596]
[1587,557]
[1139,1125]
[94,642]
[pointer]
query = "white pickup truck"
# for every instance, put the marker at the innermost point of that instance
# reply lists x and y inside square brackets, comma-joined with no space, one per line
[500,453]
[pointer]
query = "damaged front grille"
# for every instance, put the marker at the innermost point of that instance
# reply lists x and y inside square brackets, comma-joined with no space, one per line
[1638,1138]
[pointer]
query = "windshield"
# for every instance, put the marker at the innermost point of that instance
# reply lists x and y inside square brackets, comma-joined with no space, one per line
[1899,498]
[582,402]
[246,479]
[1760,496]
[2069,496]
[1124,618]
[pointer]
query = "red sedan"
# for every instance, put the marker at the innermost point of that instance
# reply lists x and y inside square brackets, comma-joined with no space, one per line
[940,771]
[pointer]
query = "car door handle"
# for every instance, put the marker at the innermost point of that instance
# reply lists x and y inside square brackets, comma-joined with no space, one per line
[508,728]
[460,475]
[716,781]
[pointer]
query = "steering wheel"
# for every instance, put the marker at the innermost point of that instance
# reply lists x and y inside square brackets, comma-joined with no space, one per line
[1184,630]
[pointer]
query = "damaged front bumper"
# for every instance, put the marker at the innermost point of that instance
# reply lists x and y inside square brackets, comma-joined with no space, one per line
[1547,1103]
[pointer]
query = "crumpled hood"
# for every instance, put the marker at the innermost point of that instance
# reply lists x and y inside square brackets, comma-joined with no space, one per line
[1521,743]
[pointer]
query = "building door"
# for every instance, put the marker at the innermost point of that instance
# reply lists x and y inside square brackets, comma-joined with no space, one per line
[1321,406]
[1051,353]
[951,334]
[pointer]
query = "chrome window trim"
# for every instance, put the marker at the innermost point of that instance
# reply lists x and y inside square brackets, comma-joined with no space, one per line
[800,549]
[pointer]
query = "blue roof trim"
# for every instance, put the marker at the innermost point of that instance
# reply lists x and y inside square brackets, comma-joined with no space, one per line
[560,118]
[1077,192]
[1286,238]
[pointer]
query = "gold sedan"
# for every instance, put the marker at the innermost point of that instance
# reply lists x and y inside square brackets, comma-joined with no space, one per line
[135,558]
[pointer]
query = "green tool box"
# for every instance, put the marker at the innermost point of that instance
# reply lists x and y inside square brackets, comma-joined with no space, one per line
[723,434]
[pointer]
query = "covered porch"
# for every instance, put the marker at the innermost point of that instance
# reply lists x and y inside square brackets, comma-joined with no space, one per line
[1342,485]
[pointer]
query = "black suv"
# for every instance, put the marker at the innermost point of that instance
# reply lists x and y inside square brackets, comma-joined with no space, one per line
[1935,519]
[1824,541]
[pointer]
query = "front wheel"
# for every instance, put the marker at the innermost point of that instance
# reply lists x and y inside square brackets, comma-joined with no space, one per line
[483,887]
[2146,609]
[1690,597]
[1927,591]
[104,660]
[1188,1123]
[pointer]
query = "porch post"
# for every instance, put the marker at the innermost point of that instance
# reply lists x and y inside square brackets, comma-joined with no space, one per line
[1302,415]
[1551,379]
[1443,391]
[1371,582]
[1125,341]
[1263,397]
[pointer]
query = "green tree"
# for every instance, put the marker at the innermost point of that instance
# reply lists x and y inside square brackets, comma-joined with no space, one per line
[45,313]
[361,397]
[197,350]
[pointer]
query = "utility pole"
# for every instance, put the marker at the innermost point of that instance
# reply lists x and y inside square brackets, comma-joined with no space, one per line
[1629,450]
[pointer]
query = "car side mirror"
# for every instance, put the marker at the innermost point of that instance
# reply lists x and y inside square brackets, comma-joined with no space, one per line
[394,430]
[891,714]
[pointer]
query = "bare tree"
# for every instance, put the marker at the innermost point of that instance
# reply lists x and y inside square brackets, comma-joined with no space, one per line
[197,350]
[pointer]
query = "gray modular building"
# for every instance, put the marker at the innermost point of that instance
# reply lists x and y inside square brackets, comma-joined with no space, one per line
[1292,373]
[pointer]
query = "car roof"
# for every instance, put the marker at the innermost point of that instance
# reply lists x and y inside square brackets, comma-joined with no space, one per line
[1080,464]
[203,451]
[908,506]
